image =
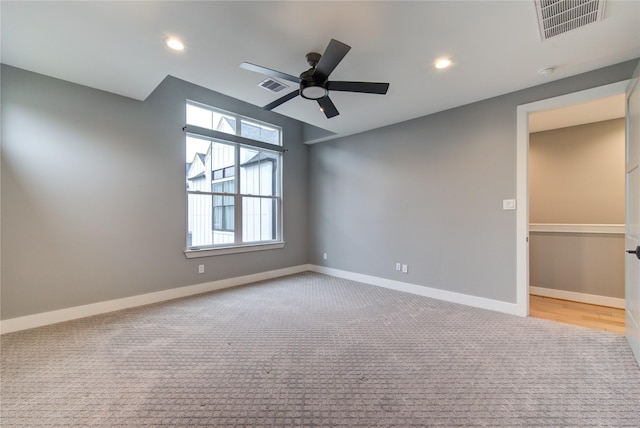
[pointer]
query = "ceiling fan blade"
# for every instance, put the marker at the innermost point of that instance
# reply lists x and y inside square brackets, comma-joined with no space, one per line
[365,87]
[269,72]
[327,106]
[330,59]
[281,100]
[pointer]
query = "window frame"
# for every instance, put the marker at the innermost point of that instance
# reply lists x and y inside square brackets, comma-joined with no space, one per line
[238,142]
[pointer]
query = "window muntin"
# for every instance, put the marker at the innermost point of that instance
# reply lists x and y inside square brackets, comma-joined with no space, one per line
[233,189]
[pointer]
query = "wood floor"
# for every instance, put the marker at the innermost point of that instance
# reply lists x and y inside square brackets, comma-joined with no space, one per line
[581,314]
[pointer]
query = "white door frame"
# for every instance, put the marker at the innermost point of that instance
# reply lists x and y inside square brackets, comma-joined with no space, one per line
[522,177]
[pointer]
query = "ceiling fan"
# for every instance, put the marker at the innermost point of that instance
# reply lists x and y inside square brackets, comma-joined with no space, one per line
[314,83]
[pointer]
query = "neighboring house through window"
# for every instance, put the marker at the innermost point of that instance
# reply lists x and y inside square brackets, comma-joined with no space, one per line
[233,177]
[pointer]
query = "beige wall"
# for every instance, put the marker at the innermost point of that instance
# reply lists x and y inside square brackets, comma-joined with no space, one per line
[576,174]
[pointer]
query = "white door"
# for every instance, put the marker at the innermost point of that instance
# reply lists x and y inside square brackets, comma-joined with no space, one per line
[632,238]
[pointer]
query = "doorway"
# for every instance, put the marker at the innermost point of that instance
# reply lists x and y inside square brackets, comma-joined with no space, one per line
[577,214]
[523,215]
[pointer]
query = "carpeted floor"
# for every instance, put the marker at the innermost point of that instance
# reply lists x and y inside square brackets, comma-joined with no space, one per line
[313,350]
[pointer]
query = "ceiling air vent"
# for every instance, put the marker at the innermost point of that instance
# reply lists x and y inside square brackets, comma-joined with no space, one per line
[559,16]
[272,85]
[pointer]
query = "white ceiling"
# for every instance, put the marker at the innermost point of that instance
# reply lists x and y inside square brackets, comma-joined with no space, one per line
[496,47]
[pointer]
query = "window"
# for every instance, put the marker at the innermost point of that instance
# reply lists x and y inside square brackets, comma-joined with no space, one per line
[233,182]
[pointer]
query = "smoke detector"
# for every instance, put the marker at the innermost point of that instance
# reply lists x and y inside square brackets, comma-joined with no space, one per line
[546,72]
[556,17]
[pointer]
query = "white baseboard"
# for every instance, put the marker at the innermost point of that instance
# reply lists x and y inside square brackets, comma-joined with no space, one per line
[434,293]
[593,299]
[68,314]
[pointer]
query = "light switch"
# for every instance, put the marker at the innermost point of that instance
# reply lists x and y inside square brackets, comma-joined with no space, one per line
[509,204]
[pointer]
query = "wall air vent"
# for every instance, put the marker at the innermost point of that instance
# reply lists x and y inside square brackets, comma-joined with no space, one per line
[272,85]
[559,16]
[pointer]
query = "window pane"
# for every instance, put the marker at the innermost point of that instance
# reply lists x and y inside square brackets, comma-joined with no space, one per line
[226,186]
[222,156]
[224,123]
[198,161]
[210,224]
[199,220]
[259,219]
[260,132]
[217,217]
[224,221]
[229,219]
[230,186]
[258,172]
[199,116]
[210,119]
[223,213]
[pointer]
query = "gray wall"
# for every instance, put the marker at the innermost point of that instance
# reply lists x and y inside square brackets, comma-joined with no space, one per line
[586,263]
[428,193]
[93,194]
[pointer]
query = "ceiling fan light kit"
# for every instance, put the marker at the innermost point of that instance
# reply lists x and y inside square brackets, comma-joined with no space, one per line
[314,83]
[311,91]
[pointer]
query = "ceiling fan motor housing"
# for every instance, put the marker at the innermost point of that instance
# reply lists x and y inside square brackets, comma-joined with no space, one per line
[313,58]
[310,87]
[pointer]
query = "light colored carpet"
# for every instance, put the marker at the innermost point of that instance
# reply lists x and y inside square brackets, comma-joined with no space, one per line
[313,350]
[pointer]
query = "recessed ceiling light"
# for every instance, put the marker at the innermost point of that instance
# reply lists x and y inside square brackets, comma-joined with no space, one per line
[174,43]
[443,63]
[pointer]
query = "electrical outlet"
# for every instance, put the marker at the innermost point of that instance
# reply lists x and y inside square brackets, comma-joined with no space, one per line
[405,269]
[324,256]
[200,268]
[398,267]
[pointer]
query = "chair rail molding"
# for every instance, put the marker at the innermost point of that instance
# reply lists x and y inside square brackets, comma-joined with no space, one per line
[616,229]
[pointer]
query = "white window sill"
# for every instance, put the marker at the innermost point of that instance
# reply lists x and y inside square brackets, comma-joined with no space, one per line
[218,251]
